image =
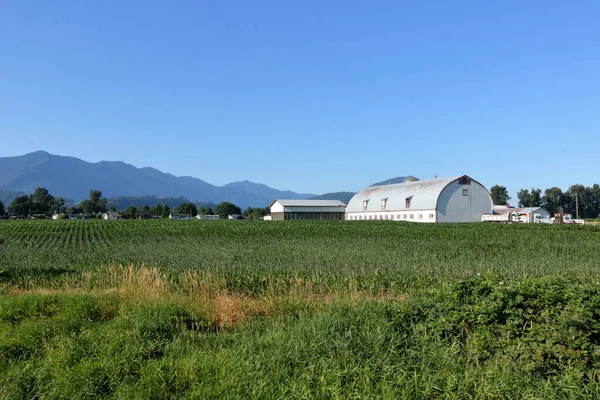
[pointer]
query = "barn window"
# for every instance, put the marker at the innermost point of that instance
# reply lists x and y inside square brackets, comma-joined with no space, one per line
[412,216]
[408,200]
[430,216]
[369,217]
[465,192]
[365,203]
[392,216]
[420,216]
[381,217]
[405,216]
[464,181]
[398,216]
[386,216]
[383,203]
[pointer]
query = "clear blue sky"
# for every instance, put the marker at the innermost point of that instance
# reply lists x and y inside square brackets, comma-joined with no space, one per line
[312,96]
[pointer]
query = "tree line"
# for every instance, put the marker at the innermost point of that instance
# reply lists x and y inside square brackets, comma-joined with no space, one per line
[586,199]
[42,203]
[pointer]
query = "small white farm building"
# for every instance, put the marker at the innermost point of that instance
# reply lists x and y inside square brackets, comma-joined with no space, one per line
[526,214]
[207,217]
[307,210]
[454,199]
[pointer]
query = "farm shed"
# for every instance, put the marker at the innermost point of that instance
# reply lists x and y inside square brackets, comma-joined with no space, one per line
[454,199]
[307,210]
[111,215]
[180,216]
[527,214]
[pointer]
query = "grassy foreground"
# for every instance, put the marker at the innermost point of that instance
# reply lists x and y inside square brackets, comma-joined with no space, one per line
[221,309]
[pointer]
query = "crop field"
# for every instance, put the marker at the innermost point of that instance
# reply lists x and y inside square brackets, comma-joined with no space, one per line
[298,309]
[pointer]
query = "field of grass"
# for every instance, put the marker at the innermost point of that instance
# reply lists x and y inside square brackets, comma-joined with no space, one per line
[251,309]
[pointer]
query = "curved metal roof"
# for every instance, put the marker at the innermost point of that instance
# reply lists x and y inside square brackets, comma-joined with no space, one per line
[424,195]
[309,203]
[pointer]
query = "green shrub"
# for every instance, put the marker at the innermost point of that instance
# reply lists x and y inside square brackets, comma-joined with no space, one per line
[546,326]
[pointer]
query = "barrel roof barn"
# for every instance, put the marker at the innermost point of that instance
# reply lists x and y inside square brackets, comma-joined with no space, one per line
[453,199]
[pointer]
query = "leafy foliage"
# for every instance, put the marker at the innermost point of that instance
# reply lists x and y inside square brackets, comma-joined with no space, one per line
[224,209]
[499,195]
[547,326]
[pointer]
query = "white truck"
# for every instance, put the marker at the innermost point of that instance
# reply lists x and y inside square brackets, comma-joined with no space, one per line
[539,219]
[508,218]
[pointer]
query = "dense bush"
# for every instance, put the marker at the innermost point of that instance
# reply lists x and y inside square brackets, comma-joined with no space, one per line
[546,326]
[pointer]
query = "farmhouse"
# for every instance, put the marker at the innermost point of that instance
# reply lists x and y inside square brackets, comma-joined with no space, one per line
[454,199]
[307,210]
[207,217]
[180,216]
[111,215]
[526,214]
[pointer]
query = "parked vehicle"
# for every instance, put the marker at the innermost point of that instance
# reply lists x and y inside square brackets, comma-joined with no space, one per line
[508,218]
[538,219]
[569,220]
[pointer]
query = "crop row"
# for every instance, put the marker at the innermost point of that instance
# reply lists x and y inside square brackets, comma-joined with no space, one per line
[250,255]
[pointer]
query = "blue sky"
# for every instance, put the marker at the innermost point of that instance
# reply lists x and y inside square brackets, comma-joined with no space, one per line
[311,96]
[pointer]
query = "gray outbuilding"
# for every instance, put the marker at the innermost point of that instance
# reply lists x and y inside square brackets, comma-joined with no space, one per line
[307,210]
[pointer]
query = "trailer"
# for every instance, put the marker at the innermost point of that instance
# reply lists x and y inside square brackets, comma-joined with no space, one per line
[507,218]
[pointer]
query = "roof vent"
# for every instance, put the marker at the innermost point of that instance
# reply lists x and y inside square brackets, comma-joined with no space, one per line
[410,179]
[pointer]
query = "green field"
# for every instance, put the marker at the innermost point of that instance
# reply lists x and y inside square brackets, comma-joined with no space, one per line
[252,309]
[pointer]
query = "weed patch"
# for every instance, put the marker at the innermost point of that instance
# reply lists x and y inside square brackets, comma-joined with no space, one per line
[545,326]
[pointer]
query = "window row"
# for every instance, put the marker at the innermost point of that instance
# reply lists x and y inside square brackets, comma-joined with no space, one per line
[365,203]
[389,217]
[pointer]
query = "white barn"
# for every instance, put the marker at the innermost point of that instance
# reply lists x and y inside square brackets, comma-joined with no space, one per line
[307,210]
[454,199]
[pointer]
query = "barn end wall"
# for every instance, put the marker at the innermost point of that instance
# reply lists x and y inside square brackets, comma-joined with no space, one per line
[454,206]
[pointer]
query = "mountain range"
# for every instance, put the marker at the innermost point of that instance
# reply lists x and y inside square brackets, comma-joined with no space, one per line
[72,178]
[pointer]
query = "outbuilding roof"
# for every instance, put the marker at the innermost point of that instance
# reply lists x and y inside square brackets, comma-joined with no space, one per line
[423,195]
[309,203]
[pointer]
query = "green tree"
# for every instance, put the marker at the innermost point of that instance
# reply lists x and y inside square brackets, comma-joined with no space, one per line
[536,197]
[58,205]
[499,195]
[20,206]
[2,212]
[187,208]
[553,200]
[524,198]
[95,204]
[41,201]
[248,211]
[202,211]
[530,199]
[130,213]
[209,211]
[226,209]
[156,210]
[72,210]
[166,211]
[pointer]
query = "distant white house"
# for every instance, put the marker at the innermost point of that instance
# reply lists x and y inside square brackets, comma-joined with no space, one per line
[111,215]
[180,216]
[526,214]
[208,217]
[268,218]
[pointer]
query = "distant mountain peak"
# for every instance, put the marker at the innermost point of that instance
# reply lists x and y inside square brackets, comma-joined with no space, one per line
[73,178]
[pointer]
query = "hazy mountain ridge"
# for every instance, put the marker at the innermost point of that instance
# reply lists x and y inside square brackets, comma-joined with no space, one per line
[71,177]
[345,197]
